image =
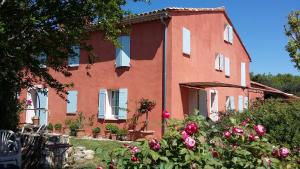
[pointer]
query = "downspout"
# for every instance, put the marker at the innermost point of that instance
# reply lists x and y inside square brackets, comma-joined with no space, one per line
[164,69]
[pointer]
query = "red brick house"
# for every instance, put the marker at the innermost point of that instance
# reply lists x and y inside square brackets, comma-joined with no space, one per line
[183,58]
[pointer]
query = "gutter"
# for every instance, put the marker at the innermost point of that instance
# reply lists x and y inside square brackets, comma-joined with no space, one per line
[165,44]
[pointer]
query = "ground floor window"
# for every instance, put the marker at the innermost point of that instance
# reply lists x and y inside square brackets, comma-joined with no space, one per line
[114,102]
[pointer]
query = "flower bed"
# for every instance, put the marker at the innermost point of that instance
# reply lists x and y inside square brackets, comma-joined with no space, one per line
[197,143]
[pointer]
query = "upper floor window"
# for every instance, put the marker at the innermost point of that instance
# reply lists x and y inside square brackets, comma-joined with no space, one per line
[228,33]
[74,58]
[123,52]
[227,67]
[186,41]
[219,62]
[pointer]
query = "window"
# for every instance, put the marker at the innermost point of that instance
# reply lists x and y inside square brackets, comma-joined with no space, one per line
[123,53]
[230,103]
[186,41]
[114,101]
[228,33]
[219,62]
[227,67]
[243,74]
[74,58]
[72,101]
[42,58]
[113,104]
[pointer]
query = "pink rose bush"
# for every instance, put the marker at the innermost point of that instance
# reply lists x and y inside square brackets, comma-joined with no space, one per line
[166,114]
[196,143]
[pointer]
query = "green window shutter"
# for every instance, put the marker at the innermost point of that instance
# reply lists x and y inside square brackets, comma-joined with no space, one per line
[102,103]
[123,99]
[72,101]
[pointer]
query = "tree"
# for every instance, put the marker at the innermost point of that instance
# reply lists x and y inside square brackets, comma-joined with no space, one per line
[29,28]
[292,30]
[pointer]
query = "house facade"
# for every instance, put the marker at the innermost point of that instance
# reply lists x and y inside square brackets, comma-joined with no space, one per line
[185,59]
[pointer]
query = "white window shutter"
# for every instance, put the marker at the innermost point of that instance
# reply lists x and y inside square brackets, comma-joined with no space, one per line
[246,101]
[226,38]
[217,62]
[230,34]
[227,104]
[243,74]
[232,107]
[221,62]
[241,103]
[186,41]
[227,67]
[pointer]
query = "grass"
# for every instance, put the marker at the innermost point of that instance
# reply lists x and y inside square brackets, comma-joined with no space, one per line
[102,150]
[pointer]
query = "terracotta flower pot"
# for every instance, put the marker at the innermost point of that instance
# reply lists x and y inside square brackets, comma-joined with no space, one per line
[67,131]
[36,120]
[96,135]
[113,136]
[80,132]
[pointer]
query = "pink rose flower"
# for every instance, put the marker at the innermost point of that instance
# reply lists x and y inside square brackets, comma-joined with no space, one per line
[154,145]
[260,130]
[134,158]
[29,102]
[99,167]
[166,114]
[134,150]
[244,123]
[215,154]
[251,137]
[227,134]
[184,135]
[237,130]
[284,152]
[191,128]
[190,142]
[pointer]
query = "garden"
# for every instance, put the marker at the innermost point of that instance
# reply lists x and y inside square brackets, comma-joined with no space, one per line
[266,136]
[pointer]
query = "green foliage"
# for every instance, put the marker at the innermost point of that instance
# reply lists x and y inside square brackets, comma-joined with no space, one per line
[29,28]
[203,147]
[57,126]
[112,128]
[292,31]
[50,127]
[284,82]
[96,130]
[122,132]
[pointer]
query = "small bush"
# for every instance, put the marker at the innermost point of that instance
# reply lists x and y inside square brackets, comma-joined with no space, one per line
[280,117]
[112,128]
[57,126]
[50,127]
[96,130]
[122,132]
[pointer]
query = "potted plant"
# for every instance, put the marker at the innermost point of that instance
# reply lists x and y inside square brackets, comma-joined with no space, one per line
[107,130]
[112,129]
[146,106]
[122,134]
[73,126]
[96,132]
[80,132]
[67,126]
[58,127]
[50,127]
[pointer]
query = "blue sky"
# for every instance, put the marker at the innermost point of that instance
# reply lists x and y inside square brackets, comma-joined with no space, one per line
[258,22]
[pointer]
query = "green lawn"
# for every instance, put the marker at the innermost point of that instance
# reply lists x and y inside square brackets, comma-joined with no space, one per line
[102,150]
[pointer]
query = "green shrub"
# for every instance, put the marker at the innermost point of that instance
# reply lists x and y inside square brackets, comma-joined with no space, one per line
[195,143]
[112,128]
[280,117]
[50,127]
[122,132]
[96,130]
[57,126]
[74,125]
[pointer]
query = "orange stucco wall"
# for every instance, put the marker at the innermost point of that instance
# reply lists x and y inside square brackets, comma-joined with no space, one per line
[144,77]
[206,40]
